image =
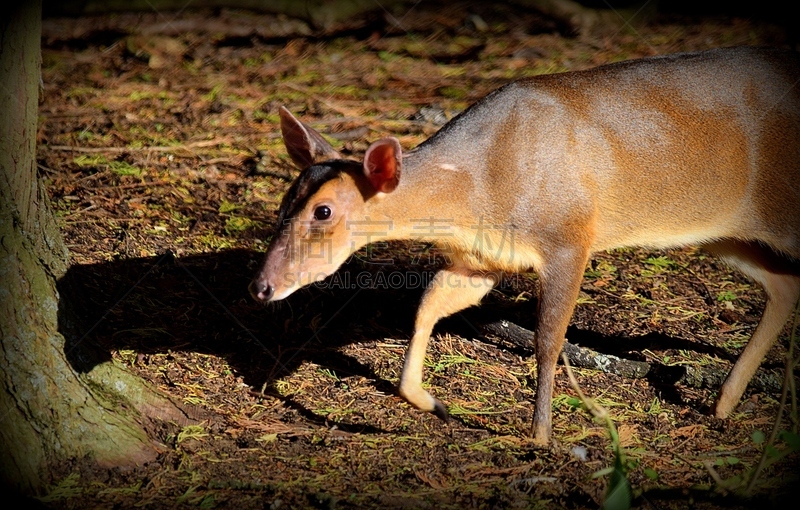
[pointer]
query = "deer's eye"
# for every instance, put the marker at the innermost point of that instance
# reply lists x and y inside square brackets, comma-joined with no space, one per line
[322,212]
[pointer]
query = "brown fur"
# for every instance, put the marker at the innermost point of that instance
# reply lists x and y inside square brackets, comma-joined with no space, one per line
[699,148]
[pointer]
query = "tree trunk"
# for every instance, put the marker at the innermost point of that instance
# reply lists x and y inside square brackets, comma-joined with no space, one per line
[48,411]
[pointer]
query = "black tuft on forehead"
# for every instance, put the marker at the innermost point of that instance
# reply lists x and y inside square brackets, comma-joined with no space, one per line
[308,182]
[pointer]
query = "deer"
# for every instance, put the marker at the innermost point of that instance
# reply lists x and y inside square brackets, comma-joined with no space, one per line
[687,149]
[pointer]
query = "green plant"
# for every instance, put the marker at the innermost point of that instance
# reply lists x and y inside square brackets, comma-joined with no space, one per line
[743,484]
[618,494]
[770,454]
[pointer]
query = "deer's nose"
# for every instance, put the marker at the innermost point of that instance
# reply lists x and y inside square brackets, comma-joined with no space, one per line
[261,291]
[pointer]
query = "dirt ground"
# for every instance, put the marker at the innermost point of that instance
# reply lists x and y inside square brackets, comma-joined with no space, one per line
[163,158]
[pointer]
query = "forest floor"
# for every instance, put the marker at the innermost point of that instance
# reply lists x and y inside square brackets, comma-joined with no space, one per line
[160,145]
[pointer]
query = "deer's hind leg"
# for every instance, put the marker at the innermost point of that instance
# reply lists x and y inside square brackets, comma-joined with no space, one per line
[780,279]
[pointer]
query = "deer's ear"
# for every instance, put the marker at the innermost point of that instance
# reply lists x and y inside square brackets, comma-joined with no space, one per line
[383,163]
[304,145]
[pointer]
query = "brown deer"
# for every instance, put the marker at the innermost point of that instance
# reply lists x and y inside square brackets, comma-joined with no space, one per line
[687,149]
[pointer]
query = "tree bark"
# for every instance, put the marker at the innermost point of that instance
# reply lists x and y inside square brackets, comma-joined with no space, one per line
[48,411]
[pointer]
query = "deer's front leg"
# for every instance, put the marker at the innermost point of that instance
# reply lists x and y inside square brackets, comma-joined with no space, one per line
[450,291]
[560,279]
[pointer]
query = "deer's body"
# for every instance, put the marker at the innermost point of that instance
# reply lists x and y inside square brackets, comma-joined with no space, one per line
[700,149]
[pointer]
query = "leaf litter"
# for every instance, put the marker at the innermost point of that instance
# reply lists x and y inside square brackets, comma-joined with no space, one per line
[163,159]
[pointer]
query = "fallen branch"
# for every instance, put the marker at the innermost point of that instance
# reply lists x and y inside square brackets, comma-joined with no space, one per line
[588,21]
[582,357]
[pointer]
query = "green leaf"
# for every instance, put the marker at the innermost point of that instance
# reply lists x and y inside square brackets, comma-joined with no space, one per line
[618,496]
[791,439]
[758,437]
[773,452]
[725,296]
[603,472]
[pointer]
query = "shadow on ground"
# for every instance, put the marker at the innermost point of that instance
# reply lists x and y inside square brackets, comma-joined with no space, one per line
[200,304]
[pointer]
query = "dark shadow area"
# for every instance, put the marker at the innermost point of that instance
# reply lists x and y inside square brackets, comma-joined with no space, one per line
[662,377]
[524,315]
[200,304]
